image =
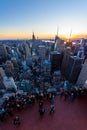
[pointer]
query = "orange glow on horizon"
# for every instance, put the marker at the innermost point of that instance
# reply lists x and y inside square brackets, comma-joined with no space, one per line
[43,36]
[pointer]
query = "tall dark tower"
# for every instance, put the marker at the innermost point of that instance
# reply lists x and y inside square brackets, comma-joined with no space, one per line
[33,40]
[55,58]
[33,37]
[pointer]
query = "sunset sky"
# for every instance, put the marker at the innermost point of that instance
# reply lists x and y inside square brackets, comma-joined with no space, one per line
[19,18]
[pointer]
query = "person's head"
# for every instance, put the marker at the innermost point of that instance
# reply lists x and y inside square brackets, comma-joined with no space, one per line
[17,117]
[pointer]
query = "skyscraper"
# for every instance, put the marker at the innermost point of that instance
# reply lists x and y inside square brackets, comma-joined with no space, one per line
[27,50]
[33,37]
[42,51]
[65,61]
[73,68]
[83,74]
[55,61]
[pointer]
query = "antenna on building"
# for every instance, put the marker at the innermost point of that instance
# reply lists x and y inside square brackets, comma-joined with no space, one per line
[57,30]
[70,35]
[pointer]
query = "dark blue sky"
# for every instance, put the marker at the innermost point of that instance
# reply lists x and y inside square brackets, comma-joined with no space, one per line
[21,17]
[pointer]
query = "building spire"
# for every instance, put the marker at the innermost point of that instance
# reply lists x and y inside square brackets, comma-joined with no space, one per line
[33,36]
[70,35]
[57,30]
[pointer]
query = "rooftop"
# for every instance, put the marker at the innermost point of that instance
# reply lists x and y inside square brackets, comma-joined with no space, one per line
[68,116]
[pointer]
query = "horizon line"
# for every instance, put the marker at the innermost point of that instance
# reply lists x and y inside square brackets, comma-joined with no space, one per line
[28,37]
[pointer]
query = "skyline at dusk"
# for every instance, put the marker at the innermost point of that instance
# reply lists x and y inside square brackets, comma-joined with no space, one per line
[19,18]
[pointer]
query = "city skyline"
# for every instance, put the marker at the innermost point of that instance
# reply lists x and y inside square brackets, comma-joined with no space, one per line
[19,18]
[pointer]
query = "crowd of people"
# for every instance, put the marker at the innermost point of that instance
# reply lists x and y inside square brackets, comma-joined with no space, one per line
[20,101]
